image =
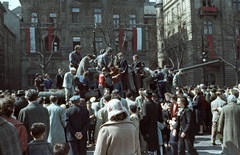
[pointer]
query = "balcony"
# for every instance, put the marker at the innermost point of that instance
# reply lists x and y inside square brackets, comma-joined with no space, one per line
[39,25]
[208,11]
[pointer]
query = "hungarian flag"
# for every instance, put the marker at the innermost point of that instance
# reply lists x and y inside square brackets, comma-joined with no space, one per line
[121,38]
[138,39]
[32,40]
[50,38]
[210,44]
[238,50]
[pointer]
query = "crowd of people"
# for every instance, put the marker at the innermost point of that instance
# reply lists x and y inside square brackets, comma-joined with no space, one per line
[138,111]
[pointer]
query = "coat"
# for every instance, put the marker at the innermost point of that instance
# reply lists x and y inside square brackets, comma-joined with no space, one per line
[20,103]
[68,81]
[34,113]
[148,124]
[57,123]
[217,103]
[39,147]
[118,138]
[77,120]
[83,66]
[229,126]
[9,141]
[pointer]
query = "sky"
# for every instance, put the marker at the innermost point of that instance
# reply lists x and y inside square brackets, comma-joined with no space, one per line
[12,3]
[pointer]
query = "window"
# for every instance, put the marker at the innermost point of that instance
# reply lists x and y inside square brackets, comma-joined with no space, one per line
[208,27]
[53,18]
[132,22]
[116,21]
[99,43]
[236,5]
[76,41]
[98,16]
[207,3]
[75,15]
[34,17]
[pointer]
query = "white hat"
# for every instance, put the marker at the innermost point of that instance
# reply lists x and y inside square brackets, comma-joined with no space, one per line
[92,99]
[114,107]
[72,69]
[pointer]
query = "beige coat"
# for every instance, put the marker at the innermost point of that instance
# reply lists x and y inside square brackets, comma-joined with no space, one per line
[229,125]
[118,138]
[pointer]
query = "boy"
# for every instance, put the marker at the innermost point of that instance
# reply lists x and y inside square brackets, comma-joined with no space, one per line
[38,146]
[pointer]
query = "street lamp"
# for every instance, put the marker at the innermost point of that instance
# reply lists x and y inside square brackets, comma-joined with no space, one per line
[94,41]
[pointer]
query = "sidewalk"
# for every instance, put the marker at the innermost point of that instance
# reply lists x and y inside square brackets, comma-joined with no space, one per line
[202,145]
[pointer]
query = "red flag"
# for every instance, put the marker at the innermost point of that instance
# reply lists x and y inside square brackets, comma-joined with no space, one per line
[50,38]
[121,36]
[27,33]
[210,44]
[134,39]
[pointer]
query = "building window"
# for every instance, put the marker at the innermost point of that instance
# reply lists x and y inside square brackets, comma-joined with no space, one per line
[53,18]
[208,27]
[236,5]
[133,21]
[98,16]
[75,15]
[99,43]
[76,41]
[116,21]
[34,17]
[207,3]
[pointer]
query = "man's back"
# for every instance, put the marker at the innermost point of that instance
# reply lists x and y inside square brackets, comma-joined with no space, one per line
[34,113]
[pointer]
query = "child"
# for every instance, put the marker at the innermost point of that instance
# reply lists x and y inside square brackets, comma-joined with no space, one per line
[38,146]
[134,116]
[91,130]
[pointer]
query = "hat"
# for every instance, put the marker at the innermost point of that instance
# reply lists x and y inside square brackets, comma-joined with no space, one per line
[72,69]
[114,107]
[75,99]
[231,99]
[147,93]
[37,74]
[92,99]
[20,92]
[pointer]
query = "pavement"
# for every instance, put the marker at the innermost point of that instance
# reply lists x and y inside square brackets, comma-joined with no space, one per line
[202,144]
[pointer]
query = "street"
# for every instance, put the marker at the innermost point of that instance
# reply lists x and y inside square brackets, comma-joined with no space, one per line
[202,145]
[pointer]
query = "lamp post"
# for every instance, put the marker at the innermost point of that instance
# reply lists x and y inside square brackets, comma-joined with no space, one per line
[94,41]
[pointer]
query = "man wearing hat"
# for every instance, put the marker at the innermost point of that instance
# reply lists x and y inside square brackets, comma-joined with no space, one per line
[20,102]
[148,123]
[77,124]
[69,84]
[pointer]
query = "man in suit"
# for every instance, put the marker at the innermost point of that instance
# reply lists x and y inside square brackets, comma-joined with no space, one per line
[185,127]
[59,79]
[137,71]
[69,84]
[77,124]
[34,113]
[84,65]
[216,106]
[20,103]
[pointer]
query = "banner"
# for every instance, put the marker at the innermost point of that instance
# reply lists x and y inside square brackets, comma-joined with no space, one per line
[121,38]
[210,46]
[50,38]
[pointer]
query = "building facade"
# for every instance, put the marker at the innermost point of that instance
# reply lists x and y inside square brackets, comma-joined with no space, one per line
[51,29]
[8,61]
[201,37]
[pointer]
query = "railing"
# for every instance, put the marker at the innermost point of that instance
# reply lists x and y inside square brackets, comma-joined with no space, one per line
[40,24]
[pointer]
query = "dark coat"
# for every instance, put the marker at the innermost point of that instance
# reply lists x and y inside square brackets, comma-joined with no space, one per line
[148,124]
[34,113]
[20,104]
[185,122]
[197,107]
[77,120]
[39,147]
[59,81]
